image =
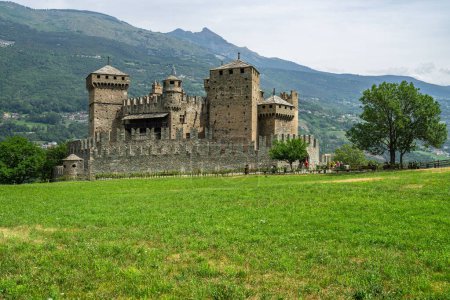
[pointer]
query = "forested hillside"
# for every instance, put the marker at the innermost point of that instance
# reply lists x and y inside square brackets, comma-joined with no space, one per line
[45,56]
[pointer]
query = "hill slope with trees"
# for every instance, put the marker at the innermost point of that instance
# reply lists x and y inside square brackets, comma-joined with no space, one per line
[52,52]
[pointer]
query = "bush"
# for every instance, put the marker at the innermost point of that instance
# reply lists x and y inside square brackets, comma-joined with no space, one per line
[20,160]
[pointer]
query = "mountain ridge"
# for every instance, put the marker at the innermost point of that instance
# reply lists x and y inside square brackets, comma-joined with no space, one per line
[51,58]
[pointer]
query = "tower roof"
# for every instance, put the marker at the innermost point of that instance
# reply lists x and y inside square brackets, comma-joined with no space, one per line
[276,100]
[110,70]
[172,77]
[234,64]
[73,157]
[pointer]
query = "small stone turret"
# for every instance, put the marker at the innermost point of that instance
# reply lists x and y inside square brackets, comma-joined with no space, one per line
[172,92]
[73,166]
[156,89]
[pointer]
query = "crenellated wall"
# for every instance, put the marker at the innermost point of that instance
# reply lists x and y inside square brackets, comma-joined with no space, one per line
[141,153]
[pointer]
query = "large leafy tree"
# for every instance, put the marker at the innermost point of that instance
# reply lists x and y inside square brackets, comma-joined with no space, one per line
[20,160]
[290,151]
[351,155]
[396,116]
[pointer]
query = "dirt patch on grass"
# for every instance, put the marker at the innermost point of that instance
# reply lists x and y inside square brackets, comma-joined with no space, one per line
[174,257]
[25,233]
[412,187]
[440,286]
[436,170]
[353,180]
[357,260]
[21,233]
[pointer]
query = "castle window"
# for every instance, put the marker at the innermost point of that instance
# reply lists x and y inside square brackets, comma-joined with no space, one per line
[74,166]
[179,83]
[228,106]
[242,70]
[107,77]
[98,76]
[182,119]
[123,77]
[188,135]
[270,106]
[230,71]
[263,106]
[291,107]
[172,82]
[279,106]
[221,72]
[115,77]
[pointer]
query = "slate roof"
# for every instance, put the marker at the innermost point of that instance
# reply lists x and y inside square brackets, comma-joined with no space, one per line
[172,77]
[276,100]
[234,64]
[73,157]
[109,70]
[145,116]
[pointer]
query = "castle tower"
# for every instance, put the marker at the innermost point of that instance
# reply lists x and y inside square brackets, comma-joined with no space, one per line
[172,92]
[233,93]
[108,88]
[276,117]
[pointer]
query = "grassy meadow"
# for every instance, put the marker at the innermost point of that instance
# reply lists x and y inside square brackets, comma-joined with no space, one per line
[360,236]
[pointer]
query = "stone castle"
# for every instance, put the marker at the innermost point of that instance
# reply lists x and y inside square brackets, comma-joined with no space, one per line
[167,130]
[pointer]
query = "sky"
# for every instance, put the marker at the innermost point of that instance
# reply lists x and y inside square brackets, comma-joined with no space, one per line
[367,37]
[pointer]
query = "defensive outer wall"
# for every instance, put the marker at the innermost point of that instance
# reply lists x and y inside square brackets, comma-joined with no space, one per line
[143,153]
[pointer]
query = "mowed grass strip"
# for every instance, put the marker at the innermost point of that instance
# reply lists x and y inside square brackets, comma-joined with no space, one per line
[380,235]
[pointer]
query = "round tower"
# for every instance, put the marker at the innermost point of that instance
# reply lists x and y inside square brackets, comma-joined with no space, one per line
[172,92]
[108,88]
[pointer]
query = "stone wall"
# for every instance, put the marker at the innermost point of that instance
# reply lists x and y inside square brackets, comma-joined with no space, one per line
[145,154]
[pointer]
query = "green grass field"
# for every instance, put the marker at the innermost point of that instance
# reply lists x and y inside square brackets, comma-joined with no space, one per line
[366,236]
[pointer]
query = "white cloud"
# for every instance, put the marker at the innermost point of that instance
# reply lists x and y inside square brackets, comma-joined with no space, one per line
[350,35]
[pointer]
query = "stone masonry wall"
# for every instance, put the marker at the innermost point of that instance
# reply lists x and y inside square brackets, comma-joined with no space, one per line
[144,153]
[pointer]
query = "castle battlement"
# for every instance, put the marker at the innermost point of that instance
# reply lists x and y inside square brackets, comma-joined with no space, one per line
[232,127]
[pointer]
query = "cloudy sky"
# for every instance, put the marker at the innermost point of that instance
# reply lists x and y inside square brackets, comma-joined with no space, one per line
[402,37]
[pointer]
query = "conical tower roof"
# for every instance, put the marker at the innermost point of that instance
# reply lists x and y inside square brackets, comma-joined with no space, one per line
[73,157]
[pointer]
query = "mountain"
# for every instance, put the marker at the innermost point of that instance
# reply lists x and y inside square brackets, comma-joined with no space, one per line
[45,56]
[225,50]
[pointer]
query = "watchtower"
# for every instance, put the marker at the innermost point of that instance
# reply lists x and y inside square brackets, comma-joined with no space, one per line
[232,95]
[172,92]
[108,88]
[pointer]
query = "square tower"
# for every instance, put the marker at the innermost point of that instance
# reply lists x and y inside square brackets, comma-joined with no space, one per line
[233,94]
[108,89]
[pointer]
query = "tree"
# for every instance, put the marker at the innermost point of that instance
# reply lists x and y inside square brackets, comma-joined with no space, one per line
[53,158]
[290,151]
[20,160]
[396,116]
[351,155]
